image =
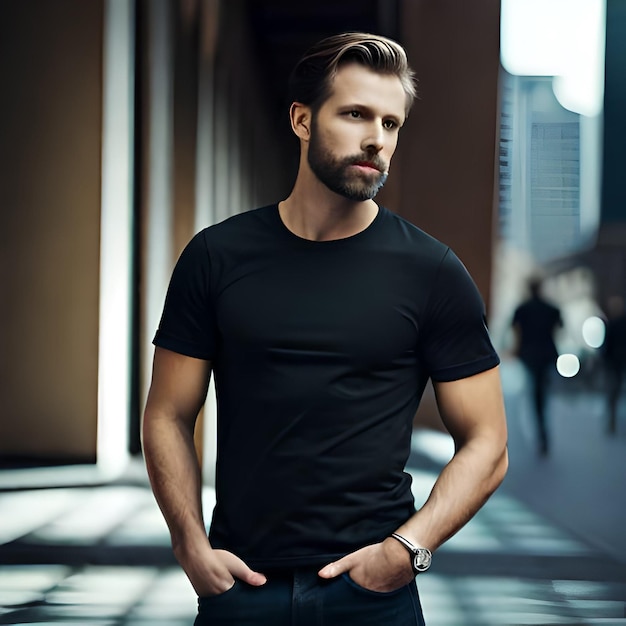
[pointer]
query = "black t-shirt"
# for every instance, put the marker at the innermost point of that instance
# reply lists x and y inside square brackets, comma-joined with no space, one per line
[320,351]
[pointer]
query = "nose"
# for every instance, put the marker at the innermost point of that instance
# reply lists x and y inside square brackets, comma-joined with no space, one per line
[373,141]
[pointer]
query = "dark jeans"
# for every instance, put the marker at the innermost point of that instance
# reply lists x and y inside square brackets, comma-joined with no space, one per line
[301,598]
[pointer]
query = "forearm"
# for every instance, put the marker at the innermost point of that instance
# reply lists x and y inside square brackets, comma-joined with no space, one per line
[175,477]
[176,481]
[178,390]
[464,485]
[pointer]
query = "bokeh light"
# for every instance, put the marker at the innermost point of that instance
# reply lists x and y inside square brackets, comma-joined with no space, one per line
[568,365]
[594,331]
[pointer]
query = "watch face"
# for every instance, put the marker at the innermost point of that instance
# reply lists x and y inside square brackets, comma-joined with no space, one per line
[422,560]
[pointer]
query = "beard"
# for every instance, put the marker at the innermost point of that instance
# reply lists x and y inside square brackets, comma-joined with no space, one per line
[338,175]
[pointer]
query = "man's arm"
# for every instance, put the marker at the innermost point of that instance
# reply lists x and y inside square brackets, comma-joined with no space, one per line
[177,392]
[472,410]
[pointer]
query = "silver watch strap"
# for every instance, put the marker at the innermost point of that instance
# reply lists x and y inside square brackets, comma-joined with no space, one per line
[405,542]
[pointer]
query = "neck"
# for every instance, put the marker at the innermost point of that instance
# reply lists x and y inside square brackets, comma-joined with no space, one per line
[312,211]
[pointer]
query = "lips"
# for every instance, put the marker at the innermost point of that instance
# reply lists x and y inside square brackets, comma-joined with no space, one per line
[367,164]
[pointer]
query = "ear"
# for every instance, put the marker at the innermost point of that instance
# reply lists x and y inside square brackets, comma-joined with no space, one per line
[300,116]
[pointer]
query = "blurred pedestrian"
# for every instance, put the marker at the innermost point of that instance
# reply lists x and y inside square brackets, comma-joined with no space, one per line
[614,352]
[535,322]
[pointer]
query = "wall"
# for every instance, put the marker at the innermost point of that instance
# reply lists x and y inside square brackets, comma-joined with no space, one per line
[613,188]
[50,124]
[448,147]
[446,160]
[608,258]
[224,158]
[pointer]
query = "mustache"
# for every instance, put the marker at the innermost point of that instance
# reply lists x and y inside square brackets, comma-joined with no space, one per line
[371,160]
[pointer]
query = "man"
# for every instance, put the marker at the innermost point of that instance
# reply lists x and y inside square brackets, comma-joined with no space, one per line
[323,317]
[535,322]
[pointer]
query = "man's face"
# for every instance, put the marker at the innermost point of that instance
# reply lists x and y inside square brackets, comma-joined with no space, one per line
[355,132]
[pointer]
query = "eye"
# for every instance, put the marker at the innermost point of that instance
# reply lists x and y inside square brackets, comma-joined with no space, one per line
[390,124]
[355,114]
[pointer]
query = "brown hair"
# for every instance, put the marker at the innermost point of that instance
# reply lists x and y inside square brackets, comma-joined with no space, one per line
[311,80]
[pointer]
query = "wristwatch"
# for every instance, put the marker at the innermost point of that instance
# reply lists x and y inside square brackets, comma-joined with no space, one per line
[421,558]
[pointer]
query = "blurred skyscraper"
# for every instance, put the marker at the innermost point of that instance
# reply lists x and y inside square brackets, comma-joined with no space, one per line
[551,114]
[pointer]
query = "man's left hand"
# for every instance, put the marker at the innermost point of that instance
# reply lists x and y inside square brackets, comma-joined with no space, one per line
[381,567]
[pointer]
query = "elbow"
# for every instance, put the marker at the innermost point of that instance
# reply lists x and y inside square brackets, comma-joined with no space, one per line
[501,467]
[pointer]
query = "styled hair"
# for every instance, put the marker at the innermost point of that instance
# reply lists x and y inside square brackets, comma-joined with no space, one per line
[311,79]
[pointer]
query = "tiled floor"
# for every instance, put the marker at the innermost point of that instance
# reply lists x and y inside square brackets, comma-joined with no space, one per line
[94,595]
[101,557]
[507,567]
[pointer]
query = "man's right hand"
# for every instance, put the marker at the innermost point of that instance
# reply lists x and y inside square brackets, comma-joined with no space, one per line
[212,572]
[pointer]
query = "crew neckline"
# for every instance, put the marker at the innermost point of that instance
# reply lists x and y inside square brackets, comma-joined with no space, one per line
[328,242]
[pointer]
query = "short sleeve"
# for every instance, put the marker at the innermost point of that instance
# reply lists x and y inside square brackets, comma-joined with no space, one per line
[188,322]
[454,340]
